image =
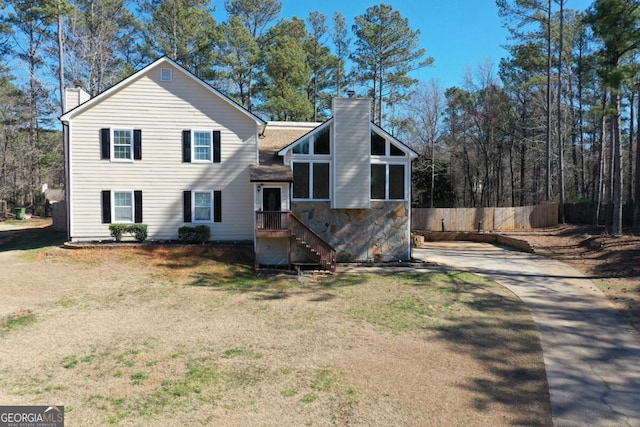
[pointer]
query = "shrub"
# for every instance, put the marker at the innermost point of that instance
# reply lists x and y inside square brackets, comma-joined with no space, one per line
[139,231]
[197,234]
[117,230]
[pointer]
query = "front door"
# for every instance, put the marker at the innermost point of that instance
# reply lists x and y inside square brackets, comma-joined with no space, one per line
[271,200]
[272,204]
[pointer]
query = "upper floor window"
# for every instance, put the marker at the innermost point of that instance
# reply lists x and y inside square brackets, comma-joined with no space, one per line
[321,141]
[121,144]
[382,147]
[318,143]
[201,146]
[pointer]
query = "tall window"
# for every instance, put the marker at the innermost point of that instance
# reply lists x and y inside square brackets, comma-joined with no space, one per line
[320,180]
[123,206]
[122,142]
[378,145]
[387,182]
[301,180]
[311,180]
[321,141]
[202,206]
[396,182]
[378,181]
[201,146]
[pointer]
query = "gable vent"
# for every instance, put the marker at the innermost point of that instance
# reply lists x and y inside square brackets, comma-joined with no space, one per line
[166,74]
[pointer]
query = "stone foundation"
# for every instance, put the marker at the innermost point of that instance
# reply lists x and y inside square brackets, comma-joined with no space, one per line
[379,234]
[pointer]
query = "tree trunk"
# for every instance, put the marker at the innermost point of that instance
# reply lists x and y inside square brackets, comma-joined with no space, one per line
[616,228]
[631,135]
[60,30]
[560,147]
[548,150]
[601,163]
[636,204]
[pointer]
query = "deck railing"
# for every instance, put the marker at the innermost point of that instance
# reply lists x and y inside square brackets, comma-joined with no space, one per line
[272,220]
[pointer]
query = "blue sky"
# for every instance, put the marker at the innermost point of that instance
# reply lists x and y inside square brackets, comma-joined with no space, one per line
[457,33]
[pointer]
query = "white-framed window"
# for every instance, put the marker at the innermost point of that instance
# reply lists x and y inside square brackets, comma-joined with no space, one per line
[388,181]
[202,206]
[122,144]
[311,180]
[166,74]
[316,144]
[383,147]
[122,206]
[202,146]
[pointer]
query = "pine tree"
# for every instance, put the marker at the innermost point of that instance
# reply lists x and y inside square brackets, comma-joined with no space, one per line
[617,24]
[386,52]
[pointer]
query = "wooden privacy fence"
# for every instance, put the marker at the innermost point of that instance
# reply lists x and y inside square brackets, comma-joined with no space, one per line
[59,214]
[484,219]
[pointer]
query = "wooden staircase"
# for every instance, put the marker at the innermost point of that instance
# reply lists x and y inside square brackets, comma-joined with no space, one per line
[317,249]
[285,224]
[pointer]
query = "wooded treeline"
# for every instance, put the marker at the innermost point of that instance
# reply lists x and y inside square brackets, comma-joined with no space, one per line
[555,120]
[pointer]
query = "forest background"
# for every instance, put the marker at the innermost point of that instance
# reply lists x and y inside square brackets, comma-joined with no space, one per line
[556,119]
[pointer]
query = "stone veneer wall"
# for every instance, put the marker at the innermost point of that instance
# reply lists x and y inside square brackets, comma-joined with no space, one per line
[377,234]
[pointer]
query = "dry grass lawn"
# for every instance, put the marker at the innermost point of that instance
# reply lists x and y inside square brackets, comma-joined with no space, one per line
[176,336]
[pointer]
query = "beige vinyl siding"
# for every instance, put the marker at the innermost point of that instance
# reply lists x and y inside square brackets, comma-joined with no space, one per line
[351,140]
[162,110]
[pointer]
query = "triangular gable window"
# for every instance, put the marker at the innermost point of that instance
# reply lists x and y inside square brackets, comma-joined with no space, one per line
[316,143]
[395,151]
[302,147]
[383,147]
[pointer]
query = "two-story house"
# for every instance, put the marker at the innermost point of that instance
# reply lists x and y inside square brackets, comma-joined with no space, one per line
[164,148]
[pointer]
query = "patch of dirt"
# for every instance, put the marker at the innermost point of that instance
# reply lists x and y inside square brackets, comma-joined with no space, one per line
[613,262]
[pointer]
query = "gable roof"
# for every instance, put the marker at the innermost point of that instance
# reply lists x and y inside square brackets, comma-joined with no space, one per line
[410,151]
[280,134]
[135,76]
[321,126]
[284,148]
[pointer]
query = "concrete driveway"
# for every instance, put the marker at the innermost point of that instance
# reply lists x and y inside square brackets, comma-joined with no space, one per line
[591,353]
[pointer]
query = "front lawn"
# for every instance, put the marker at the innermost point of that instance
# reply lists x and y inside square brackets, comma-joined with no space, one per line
[179,336]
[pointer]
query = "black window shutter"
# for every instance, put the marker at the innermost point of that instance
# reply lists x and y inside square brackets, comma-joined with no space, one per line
[106,207]
[216,146]
[186,146]
[217,206]
[137,144]
[187,206]
[105,143]
[137,206]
